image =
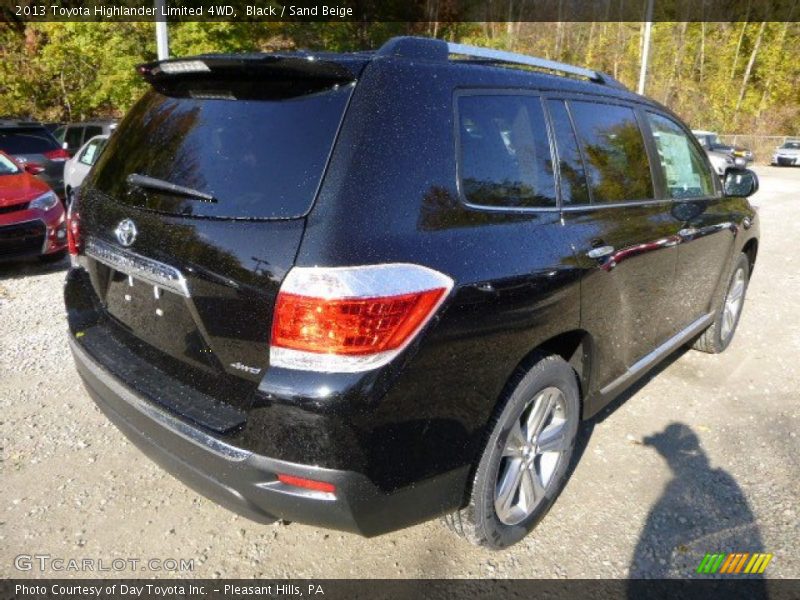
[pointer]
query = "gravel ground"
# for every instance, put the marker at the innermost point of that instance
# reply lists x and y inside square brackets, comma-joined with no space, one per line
[702,457]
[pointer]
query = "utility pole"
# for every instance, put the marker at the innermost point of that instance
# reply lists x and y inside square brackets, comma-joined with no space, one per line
[648,26]
[162,38]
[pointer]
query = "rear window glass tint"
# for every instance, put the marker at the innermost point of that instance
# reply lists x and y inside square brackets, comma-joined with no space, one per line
[505,156]
[26,140]
[614,153]
[260,157]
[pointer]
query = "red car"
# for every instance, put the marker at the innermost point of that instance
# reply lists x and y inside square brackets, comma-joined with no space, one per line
[32,219]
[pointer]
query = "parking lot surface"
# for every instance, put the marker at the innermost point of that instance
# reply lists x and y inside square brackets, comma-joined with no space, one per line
[700,457]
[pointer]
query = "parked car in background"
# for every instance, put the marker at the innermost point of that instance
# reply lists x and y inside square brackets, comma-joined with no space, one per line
[723,162]
[710,141]
[77,167]
[787,154]
[73,136]
[31,142]
[32,220]
[320,298]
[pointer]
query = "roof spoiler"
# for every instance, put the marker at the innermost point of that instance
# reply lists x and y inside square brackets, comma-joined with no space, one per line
[289,66]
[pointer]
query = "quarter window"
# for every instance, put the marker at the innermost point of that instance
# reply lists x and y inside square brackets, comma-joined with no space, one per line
[505,158]
[685,172]
[617,166]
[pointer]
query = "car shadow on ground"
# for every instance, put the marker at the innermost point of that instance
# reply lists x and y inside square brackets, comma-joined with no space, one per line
[18,269]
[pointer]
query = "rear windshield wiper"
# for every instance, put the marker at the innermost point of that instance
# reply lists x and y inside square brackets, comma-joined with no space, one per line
[152,183]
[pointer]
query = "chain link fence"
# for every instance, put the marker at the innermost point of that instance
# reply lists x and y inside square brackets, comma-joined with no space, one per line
[763,146]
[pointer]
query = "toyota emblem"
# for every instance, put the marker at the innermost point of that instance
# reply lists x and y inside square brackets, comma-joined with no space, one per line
[126,232]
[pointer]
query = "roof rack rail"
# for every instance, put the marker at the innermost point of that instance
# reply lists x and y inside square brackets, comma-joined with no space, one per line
[434,49]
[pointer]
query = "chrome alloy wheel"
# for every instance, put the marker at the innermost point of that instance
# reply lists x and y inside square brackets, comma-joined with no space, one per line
[536,444]
[733,304]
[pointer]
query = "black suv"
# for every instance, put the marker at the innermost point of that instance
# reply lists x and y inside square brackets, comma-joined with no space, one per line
[361,291]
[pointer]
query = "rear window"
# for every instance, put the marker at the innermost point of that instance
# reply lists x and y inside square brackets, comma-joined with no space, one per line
[260,150]
[26,140]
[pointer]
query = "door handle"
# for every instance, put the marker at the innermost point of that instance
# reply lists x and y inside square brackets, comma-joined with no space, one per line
[600,252]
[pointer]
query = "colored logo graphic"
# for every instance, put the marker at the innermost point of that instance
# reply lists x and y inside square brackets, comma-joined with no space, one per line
[734,563]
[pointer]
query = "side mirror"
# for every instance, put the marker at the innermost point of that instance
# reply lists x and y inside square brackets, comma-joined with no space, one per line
[33,168]
[740,184]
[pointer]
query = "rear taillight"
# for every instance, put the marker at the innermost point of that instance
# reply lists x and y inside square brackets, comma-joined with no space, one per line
[74,238]
[57,154]
[351,319]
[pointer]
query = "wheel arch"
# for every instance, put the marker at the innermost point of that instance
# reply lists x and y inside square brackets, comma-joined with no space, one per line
[751,250]
[575,346]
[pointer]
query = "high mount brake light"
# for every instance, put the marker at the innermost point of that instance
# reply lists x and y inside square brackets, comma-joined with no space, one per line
[351,319]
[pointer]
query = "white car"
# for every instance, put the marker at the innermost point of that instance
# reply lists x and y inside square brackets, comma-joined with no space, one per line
[787,154]
[77,168]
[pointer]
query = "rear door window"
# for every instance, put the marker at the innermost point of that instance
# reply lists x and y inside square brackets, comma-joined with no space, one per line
[684,169]
[617,166]
[505,158]
[258,147]
[26,140]
[573,175]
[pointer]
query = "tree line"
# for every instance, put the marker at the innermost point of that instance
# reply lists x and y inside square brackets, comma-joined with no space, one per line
[729,77]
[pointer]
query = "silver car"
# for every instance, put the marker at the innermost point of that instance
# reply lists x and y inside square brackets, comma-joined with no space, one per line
[77,168]
[787,154]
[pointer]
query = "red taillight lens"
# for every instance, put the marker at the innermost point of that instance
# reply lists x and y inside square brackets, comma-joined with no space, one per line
[74,238]
[308,484]
[352,319]
[350,326]
[57,154]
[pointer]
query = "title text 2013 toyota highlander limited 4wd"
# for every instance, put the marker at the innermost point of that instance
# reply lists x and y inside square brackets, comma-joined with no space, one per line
[361,291]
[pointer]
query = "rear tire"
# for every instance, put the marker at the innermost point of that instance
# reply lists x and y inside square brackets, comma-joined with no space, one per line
[526,460]
[720,333]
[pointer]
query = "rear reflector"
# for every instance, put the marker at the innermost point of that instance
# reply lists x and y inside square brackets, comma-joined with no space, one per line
[352,319]
[308,484]
[74,238]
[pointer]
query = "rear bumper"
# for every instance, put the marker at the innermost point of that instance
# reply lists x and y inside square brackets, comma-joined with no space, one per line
[247,483]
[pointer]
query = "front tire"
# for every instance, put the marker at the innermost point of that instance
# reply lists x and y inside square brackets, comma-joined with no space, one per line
[720,333]
[526,460]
